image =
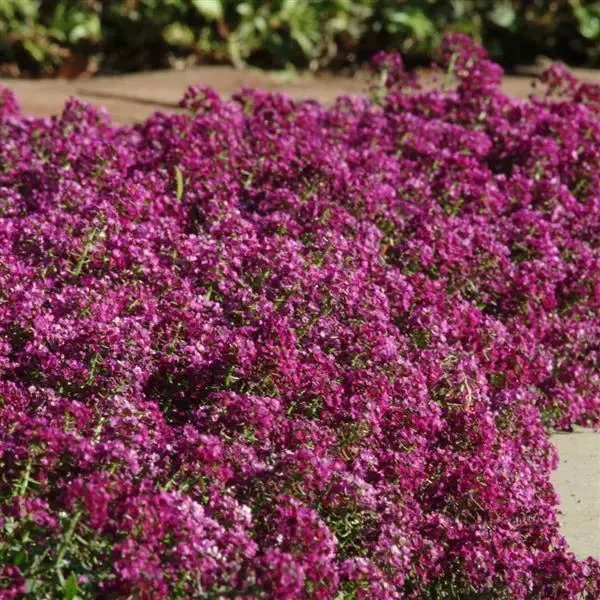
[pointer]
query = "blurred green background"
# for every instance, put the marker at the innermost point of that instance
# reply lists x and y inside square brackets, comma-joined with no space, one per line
[69,37]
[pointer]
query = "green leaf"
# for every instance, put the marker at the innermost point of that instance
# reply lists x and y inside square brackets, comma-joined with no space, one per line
[209,9]
[589,21]
[70,588]
[304,42]
[179,183]
[503,15]
[178,34]
[416,21]
[591,28]
[83,258]
[30,585]
[85,27]
[36,51]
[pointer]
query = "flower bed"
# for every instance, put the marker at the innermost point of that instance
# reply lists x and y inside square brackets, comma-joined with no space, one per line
[268,349]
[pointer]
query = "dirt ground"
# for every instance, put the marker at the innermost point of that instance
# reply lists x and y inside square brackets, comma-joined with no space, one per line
[132,98]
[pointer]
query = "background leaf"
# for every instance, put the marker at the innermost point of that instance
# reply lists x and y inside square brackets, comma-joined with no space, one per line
[120,35]
[210,9]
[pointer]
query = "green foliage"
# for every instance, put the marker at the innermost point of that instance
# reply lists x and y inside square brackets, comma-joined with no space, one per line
[51,565]
[71,36]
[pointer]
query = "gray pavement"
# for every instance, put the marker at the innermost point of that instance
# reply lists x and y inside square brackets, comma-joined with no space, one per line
[577,481]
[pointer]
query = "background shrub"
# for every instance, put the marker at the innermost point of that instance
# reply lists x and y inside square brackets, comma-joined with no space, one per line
[67,37]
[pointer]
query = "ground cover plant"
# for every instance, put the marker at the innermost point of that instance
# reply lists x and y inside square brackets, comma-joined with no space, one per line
[270,349]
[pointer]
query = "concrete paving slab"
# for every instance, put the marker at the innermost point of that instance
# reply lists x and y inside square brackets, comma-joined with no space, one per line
[577,481]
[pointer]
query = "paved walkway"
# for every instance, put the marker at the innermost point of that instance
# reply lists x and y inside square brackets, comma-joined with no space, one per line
[577,480]
[132,98]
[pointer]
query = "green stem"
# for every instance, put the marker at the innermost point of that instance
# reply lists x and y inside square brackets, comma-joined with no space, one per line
[23,484]
[67,539]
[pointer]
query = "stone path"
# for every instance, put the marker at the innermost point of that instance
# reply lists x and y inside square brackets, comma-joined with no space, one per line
[132,98]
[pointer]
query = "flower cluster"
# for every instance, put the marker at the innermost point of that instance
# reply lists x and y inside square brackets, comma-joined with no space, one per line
[269,349]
